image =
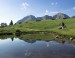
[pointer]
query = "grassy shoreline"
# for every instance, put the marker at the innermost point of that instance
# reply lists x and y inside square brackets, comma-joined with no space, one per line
[54,34]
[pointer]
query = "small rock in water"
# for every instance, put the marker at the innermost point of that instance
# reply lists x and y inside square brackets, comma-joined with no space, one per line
[71,38]
[57,36]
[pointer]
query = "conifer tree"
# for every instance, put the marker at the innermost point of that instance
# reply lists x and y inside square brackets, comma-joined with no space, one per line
[11,23]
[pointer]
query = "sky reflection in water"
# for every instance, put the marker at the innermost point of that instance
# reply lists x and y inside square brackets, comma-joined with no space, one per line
[19,48]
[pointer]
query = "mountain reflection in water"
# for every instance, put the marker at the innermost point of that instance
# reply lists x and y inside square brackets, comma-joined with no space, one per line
[24,48]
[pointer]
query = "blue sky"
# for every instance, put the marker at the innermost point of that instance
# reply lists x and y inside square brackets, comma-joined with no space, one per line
[17,9]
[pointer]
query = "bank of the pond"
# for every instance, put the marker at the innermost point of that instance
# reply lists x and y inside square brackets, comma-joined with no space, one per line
[47,34]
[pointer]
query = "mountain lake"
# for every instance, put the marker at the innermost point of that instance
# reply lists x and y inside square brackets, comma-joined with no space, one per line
[19,48]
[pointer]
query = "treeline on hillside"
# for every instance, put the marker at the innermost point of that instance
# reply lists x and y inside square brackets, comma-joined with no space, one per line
[5,24]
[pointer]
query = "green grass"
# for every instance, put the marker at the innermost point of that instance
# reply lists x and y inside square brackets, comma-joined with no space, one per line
[44,25]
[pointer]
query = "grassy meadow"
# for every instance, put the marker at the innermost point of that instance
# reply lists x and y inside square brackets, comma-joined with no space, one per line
[44,25]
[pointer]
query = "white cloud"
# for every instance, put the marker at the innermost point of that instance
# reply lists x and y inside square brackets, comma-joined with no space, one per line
[73,8]
[51,13]
[54,3]
[46,12]
[70,9]
[25,5]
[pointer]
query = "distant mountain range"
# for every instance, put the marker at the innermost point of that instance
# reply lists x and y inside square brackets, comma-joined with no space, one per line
[46,17]
[60,16]
[31,17]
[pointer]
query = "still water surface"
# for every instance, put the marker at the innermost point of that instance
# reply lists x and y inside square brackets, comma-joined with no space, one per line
[19,48]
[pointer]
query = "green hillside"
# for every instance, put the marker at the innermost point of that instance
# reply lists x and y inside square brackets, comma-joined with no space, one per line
[44,25]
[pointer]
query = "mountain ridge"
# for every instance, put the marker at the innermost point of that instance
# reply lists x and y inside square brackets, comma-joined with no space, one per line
[45,17]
